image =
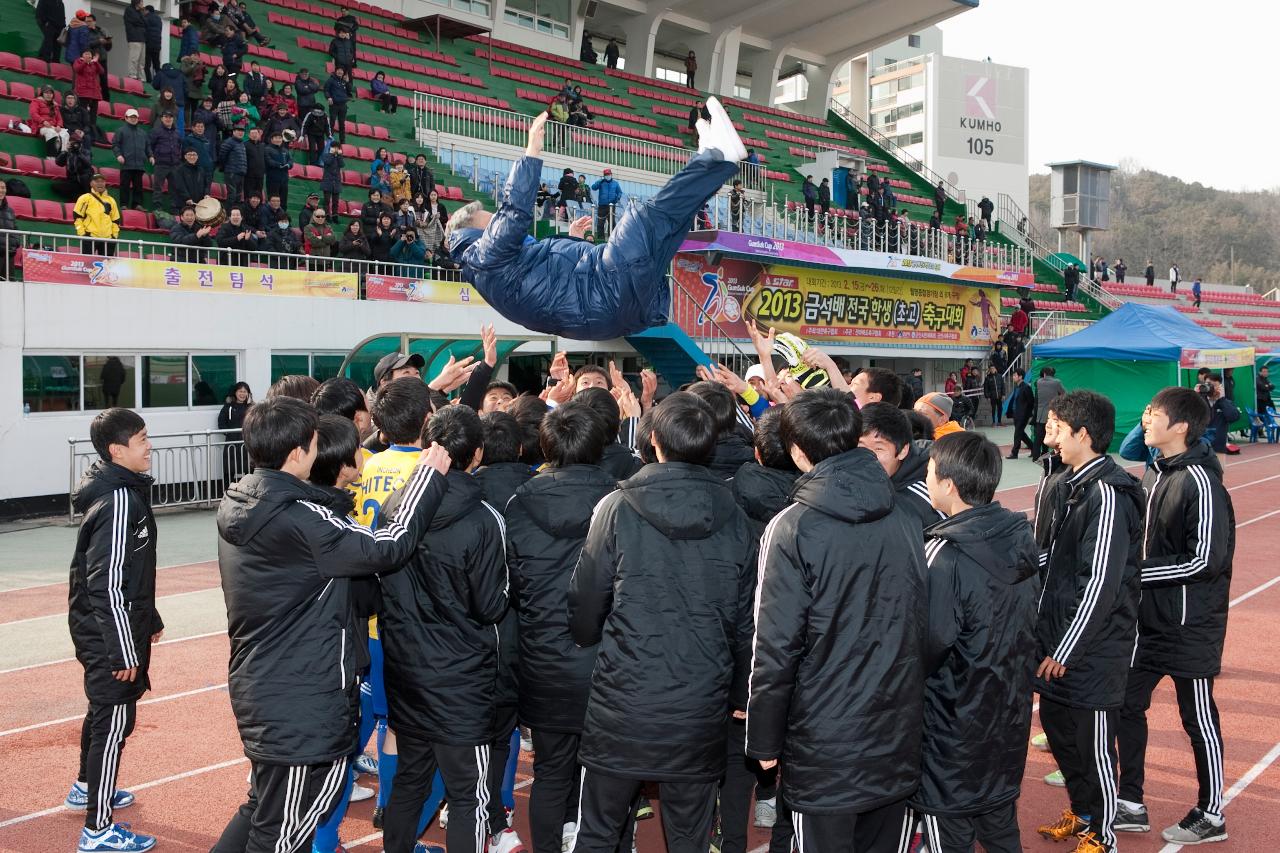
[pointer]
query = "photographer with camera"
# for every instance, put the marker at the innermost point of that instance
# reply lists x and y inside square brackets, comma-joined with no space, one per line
[1223,412]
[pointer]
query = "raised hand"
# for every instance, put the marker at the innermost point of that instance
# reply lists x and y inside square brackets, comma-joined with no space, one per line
[454,374]
[435,457]
[537,133]
[579,227]
[648,387]
[559,366]
[489,340]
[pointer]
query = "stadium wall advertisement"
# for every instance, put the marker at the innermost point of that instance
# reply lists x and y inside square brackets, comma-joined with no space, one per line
[99,271]
[844,305]
[396,288]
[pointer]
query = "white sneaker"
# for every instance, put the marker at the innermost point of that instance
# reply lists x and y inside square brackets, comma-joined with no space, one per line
[359,793]
[444,816]
[704,134]
[568,837]
[506,841]
[766,813]
[725,134]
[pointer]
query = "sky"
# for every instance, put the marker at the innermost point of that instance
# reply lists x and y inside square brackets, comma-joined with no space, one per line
[1180,87]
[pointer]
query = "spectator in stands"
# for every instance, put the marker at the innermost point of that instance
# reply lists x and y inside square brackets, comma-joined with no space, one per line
[78,163]
[305,89]
[579,115]
[1264,388]
[51,17]
[318,237]
[207,117]
[985,209]
[343,51]
[283,122]
[234,161]
[698,112]
[587,53]
[251,208]
[1120,270]
[939,196]
[214,29]
[255,152]
[168,104]
[584,190]
[197,138]
[421,179]
[382,92]
[8,222]
[401,186]
[233,50]
[544,202]
[405,215]
[193,74]
[382,237]
[153,42]
[283,240]
[338,90]
[608,196]
[1195,292]
[236,234]
[270,214]
[373,209]
[76,37]
[309,209]
[1174,277]
[97,215]
[1071,278]
[824,198]
[46,120]
[568,188]
[690,68]
[1150,273]
[333,163]
[188,233]
[190,43]
[411,254]
[1025,302]
[315,127]
[431,233]
[354,244]
[239,14]
[559,109]
[737,199]
[88,83]
[610,53]
[254,84]
[279,161]
[809,190]
[132,147]
[190,183]
[432,201]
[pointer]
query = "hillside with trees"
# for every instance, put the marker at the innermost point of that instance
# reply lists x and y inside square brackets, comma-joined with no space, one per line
[1165,219]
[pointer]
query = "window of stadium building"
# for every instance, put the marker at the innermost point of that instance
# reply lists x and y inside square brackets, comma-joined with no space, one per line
[475,7]
[75,382]
[318,365]
[550,17]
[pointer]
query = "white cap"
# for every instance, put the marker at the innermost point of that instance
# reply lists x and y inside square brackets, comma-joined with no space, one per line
[130,113]
[755,371]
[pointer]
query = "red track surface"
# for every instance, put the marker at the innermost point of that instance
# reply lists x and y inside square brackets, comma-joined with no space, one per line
[185,763]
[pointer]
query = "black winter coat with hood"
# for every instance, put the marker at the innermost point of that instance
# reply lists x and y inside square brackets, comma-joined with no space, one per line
[664,584]
[983,588]
[498,482]
[837,681]
[1187,549]
[620,461]
[733,450]
[547,523]
[287,562]
[762,493]
[1088,611]
[908,484]
[438,622]
[111,600]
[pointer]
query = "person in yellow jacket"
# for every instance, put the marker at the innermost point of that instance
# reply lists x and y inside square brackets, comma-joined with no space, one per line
[401,187]
[97,215]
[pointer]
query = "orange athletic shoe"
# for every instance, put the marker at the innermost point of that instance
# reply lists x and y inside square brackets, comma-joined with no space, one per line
[1090,843]
[1064,827]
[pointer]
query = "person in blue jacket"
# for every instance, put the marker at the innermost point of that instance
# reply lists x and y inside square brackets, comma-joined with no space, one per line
[608,195]
[190,40]
[582,290]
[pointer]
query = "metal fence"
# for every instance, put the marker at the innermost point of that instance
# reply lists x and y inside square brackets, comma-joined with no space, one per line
[435,116]
[896,151]
[22,241]
[189,468]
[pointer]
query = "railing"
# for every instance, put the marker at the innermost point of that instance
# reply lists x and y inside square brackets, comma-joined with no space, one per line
[250,258]
[1095,291]
[898,153]
[688,313]
[189,468]
[890,67]
[436,116]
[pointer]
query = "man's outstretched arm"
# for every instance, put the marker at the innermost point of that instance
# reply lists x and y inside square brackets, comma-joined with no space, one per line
[505,235]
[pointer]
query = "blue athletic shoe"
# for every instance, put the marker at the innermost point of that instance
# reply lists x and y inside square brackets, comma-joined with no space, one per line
[78,798]
[366,764]
[115,838]
[427,848]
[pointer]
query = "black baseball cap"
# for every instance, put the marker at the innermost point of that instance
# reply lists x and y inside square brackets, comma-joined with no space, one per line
[395,361]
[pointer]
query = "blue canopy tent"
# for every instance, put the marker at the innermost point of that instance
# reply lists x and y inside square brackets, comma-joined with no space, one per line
[1138,349]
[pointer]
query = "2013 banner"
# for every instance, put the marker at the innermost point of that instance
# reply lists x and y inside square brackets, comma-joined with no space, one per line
[99,271]
[846,305]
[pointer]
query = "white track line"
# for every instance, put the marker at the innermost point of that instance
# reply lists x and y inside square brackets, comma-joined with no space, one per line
[1229,490]
[1257,589]
[1238,788]
[374,836]
[63,614]
[30,666]
[64,583]
[199,771]
[78,717]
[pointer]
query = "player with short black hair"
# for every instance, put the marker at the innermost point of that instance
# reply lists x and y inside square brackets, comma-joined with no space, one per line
[886,432]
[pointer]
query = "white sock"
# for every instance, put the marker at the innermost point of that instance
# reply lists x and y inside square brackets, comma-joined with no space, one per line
[1215,819]
[772,801]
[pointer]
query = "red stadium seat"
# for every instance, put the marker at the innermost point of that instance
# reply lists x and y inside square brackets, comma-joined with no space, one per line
[61,72]
[22,207]
[49,211]
[10,61]
[28,164]
[37,67]
[21,91]
[134,220]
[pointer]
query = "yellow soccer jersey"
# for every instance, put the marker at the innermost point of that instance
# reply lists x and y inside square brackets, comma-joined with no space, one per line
[383,473]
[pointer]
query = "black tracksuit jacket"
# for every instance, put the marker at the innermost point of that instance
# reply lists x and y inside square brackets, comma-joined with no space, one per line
[664,585]
[1187,549]
[498,482]
[983,588]
[733,450]
[1088,610]
[547,522]
[908,484]
[111,597]
[837,681]
[762,493]
[286,562]
[620,462]
[439,621]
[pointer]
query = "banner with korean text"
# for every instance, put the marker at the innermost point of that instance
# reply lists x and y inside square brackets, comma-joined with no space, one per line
[99,271]
[396,288]
[847,305]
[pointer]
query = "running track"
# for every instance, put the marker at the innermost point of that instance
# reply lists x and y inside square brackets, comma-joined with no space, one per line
[185,763]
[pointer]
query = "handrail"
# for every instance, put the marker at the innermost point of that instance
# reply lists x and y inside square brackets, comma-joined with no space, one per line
[434,114]
[1095,291]
[917,166]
